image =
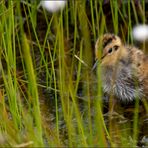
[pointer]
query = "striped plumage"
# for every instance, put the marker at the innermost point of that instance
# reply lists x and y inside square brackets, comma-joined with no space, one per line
[124,69]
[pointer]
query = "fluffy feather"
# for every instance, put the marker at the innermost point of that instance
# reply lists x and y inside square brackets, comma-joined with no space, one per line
[124,68]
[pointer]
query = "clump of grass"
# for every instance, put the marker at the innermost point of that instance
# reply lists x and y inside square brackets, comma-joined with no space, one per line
[60,61]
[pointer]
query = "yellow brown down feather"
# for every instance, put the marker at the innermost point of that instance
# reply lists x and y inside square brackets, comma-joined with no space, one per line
[124,68]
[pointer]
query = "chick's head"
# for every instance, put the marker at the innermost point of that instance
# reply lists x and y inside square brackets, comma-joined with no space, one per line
[109,49]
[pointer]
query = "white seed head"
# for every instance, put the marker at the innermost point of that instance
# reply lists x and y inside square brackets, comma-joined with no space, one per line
[53,5]
[140,32]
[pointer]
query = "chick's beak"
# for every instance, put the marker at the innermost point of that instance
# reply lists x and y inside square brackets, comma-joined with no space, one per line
[98,61]
[103,56]
[95,65]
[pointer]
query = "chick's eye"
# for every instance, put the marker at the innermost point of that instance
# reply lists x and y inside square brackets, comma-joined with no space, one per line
[110,50]
[116,47]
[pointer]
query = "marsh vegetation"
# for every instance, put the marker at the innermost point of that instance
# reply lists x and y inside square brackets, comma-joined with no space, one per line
[48,94]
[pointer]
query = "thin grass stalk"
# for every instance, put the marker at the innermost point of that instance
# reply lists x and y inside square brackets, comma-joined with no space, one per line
[89,116]
[76,35]
[75,26]
[143,16]
[29,31]
[48,73]
[135,123]
[100,18]
[67,87]
[61,70]
[55,94]
[38,43]
[33,90]
[87,53]
[66,105]
[66,18]
[122,17]
[99,120]
[97,13]
[114,10]
[143,21]
[33,13]
[92,18]
[9,76]
[130,38]
[135,12]
[123,10]
[77,112]
[4,115]
[78,117]
[71,8]
[79,68]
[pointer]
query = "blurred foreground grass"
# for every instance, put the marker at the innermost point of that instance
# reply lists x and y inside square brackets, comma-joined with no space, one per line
[48,94]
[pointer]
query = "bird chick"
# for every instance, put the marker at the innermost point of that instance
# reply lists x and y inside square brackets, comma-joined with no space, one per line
[124,69]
